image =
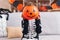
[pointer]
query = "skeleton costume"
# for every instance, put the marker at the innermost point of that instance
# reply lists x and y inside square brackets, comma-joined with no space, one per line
[31,27]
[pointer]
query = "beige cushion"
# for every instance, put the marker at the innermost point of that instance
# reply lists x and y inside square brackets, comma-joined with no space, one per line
[14,32]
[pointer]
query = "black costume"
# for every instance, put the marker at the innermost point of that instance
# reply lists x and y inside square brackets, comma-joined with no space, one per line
[25,25]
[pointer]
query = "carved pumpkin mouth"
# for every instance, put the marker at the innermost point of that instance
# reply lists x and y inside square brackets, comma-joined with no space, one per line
[30,16]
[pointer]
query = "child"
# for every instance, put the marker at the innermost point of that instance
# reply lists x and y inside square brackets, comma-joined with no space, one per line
[29,23]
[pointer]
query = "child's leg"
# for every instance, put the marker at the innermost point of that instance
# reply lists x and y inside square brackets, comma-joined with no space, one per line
[25,26]
[38,27]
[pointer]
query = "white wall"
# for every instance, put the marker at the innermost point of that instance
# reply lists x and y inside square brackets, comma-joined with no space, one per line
[50,21]
[4,4]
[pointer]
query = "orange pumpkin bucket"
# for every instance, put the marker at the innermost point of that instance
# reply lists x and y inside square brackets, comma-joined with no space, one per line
[20,7]
[30,12]
[54,6]
[16,4]
[11,1]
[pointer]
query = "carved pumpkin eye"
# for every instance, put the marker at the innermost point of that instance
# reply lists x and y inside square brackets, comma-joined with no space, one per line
[33,10]
[27,11]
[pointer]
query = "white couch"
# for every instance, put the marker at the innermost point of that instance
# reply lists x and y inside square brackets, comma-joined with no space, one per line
[50,22]
[5,38]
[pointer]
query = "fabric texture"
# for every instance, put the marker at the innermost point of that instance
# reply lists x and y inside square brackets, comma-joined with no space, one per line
[3,25]
[14,32]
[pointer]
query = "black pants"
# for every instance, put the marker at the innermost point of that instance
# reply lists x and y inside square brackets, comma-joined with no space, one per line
[25,26]
[38,27]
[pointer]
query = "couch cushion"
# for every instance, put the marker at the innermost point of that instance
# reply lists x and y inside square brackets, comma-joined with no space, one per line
[14,32]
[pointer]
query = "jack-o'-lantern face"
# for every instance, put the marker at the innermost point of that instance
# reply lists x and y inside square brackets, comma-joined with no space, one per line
[30,12]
